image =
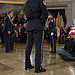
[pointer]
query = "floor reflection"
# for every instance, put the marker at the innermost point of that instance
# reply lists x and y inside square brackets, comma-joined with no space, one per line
[72,70]
[14,63]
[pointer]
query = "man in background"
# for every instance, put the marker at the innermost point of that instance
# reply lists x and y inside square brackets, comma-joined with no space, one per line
[7,31]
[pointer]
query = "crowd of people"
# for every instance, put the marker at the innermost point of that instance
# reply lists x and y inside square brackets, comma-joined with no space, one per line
[19,25]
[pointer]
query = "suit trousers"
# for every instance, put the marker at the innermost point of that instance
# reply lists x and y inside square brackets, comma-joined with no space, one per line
[7,42]
[12,42]
[33,37]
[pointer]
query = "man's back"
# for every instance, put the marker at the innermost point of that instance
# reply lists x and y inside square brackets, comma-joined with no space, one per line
[33,4]
[38,8]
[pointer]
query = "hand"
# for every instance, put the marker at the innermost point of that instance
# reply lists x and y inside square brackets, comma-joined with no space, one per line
[52,33]
[9,32]
[16,32]
[25,32]
[47,27]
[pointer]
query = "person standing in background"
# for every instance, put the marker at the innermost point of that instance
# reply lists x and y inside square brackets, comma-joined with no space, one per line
[52,33]
[1,32]
[7,31]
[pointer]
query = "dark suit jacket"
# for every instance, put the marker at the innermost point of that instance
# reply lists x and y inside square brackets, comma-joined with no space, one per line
[39,9]
[7,25]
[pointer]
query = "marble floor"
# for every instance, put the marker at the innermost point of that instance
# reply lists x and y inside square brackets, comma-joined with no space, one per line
[13,63]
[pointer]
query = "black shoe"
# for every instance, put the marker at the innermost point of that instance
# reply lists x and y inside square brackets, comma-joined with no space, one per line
[30,67]
[52,51]
[13,50]
[41,70]
[7,52]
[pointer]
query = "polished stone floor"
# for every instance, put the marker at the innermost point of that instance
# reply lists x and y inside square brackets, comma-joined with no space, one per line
[13,63]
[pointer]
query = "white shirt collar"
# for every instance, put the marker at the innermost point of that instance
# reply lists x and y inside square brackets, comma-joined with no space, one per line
[9,17]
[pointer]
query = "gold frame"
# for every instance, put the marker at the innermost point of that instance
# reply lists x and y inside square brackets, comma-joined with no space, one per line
[11,2]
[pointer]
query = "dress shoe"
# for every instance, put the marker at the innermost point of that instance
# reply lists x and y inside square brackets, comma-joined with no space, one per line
[7,52]
[41,70]
[13,50]
[29,67]
[52,51]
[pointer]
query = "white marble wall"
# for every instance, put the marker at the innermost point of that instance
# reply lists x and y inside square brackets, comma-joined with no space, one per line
[57,0]
[73,9]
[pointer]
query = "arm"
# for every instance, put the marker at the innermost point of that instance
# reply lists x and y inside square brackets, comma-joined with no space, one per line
[7,23]
[44,9]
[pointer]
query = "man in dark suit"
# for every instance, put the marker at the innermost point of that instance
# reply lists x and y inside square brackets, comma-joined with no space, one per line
[36,13]
[7,31]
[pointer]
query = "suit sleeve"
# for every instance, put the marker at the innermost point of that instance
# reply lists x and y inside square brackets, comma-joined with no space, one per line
[44,9]
[7,23]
